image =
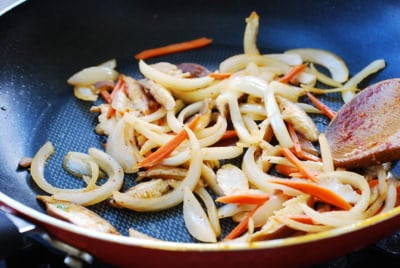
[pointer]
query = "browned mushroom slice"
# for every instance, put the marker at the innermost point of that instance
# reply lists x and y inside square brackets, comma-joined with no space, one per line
[366,130]
[77,214]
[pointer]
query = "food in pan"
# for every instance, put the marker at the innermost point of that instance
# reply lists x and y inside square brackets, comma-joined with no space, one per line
[237,142]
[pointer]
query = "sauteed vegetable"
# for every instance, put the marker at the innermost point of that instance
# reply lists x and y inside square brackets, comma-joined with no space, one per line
[237,142]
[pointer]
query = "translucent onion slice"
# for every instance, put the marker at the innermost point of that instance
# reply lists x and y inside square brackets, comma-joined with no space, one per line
[85,93]
[101,193]
[91,75]
[371,68]
[121,146]
[266,210]
[250,35]
[160,94]
[172,82]
[275,117]
[196,220]
[231,179]
[245,135]
[174,197]
[78,164]
[290,59]
[326,154]
[240,61]
[336,66]
[112,64]
[259,178]
[211,208]
[37,170]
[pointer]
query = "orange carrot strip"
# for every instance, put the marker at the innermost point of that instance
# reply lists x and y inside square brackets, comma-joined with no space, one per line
[241,227]
[173,48]
[316,191]
[298,175]
[302,218]
[324,108]
[111,112]
[295,138]
[298,151]
[292,158]
[285,170]
[290,75]
[373,183]
[229,134]
[244,198]
[106,95]
[163,151]
[118,86]
[220,76]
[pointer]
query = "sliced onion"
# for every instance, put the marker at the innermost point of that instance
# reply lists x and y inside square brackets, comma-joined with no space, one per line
[112,64]
[86,93]
[120,145]
[231,179]
[336,66]
[196,220]
[289,59]
[326,154]
[101,193]
[274,115]
[37,170]
[171,82]
[78,164]
[371,68]
[162,95]
[246,136]
[174,197]
[240,61]
[91,75]
[259,178]
[211,208]
[250,35]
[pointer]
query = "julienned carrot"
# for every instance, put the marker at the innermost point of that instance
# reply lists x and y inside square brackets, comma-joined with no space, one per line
[298,151]
[244,198]
[229,134]
[241,227]
[220,76]
[292,158]
[302,218]
[286,170]
[163,151]
[290,75]
[321,106]
[107,98]
[118,86]
[111,112]
[373,183]
[173,48]
[106,95]
[316,191]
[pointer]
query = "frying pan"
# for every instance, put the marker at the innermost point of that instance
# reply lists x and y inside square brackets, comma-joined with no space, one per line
[43,42]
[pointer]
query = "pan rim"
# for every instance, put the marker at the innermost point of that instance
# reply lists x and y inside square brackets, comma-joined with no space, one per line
[191,246]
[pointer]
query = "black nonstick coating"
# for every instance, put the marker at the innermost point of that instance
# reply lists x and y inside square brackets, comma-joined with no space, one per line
[43,42]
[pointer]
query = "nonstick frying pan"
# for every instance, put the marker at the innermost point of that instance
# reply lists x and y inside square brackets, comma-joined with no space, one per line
[43,42]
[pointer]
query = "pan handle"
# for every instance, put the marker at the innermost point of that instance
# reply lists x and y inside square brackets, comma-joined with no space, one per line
[11,238]
[15,232]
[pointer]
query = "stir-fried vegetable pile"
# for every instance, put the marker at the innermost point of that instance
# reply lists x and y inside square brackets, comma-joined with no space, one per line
[173,126]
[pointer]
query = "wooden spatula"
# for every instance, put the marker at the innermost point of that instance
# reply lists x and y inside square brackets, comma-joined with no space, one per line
[366,130]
